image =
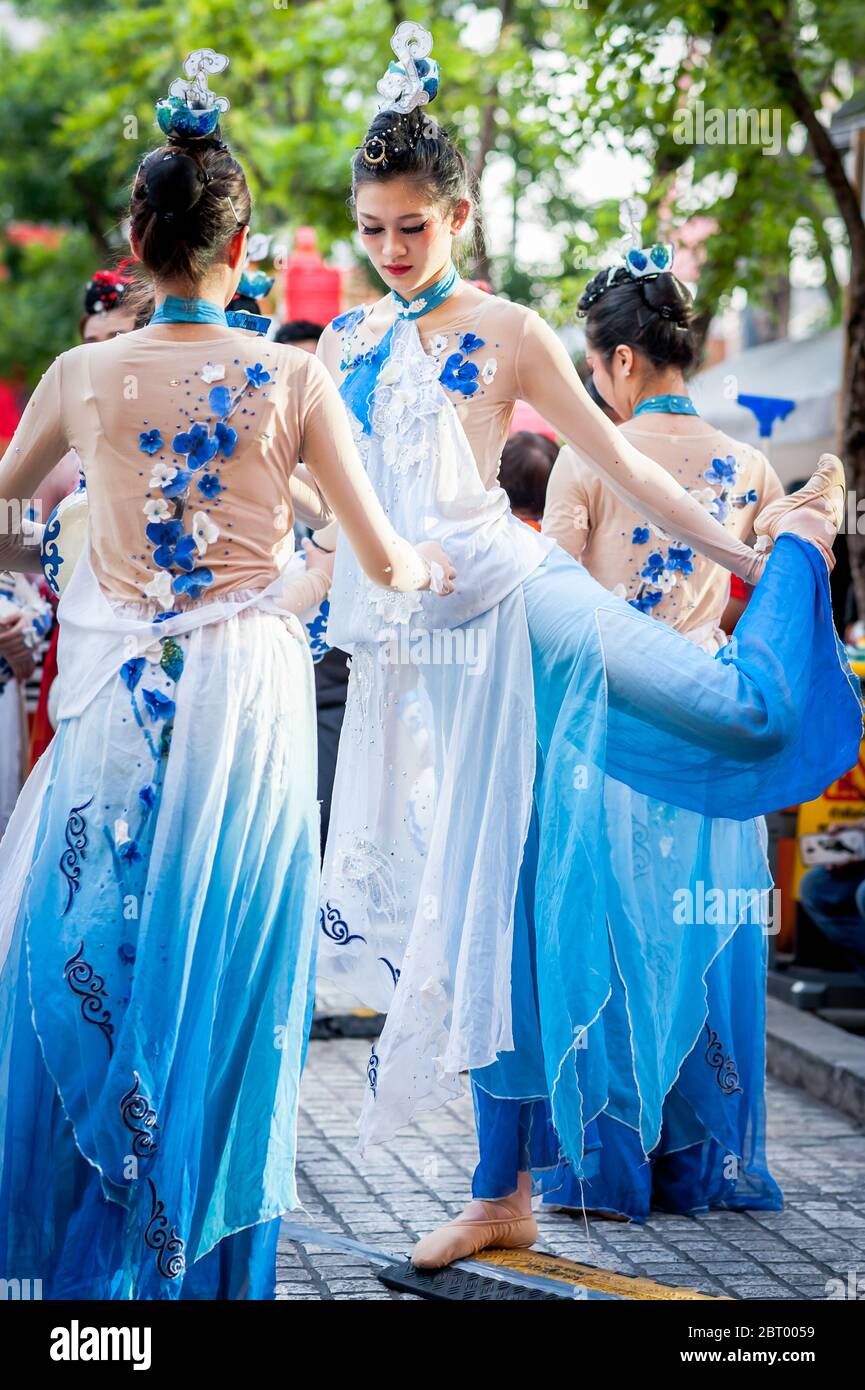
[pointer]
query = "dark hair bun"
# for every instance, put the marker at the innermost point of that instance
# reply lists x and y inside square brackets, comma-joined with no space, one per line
[652,314]
[188,200]
[670,299]
[174,183]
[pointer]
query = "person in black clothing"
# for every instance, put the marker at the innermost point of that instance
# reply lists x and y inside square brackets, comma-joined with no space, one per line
[331,671]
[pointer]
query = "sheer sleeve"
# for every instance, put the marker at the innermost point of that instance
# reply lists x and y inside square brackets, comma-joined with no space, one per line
[768,485]
[567,513]
[306,499]
[39,441]
[305,591]
[547,379]
[329,453]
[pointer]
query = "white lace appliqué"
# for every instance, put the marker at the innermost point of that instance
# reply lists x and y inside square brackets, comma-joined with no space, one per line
[393,606]
[407,393]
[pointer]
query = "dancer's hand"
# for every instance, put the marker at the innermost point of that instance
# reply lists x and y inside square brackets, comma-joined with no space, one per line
[22,666]
[318,559]
[13,644]
[442,572]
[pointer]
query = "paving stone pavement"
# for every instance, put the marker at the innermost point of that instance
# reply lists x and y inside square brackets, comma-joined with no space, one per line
[394,1194]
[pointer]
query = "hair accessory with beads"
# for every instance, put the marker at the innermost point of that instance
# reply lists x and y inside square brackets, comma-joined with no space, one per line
[190,109]
[255,283]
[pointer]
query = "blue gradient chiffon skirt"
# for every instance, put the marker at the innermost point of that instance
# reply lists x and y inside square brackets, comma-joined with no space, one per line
[159,884]
[638,980]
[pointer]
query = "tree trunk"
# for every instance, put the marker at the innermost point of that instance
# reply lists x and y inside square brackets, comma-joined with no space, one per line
[779,64]
[853,429]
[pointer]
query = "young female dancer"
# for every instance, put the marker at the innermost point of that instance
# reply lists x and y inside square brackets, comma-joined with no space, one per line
[159,871]
[711,1147]
[474,852]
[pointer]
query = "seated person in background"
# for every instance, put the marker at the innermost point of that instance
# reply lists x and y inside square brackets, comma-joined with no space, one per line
[834,898]
[527,462]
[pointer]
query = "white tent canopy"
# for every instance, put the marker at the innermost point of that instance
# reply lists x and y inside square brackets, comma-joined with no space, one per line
[807,371]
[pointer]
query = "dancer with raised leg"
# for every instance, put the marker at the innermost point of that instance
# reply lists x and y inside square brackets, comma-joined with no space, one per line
[470,874]
[160,869]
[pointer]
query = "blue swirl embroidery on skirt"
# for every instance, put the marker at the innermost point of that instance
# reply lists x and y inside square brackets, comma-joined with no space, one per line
[372,1070]
[140,1118]
[51,557]
[90,988]
[170,1256]
[726,1071]
[335,926]
[76,840]
[392,968]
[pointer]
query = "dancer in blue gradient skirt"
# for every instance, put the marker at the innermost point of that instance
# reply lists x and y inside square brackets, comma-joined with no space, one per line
[479,882]
[158,876]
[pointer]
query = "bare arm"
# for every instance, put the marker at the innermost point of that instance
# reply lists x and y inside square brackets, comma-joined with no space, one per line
[547,379]
[306,499]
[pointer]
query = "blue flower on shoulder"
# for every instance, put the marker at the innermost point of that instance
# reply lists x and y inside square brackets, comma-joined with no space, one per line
[470,343]
[150,441]
[459,375]
[646,601]
[640,536]
[679,558]
[219,400]
[130,671]
[193,583]
[348,322]
[226,438]
[158,706]
[209,484]
[197,443]
[654,566]
[257,376]
[722,470]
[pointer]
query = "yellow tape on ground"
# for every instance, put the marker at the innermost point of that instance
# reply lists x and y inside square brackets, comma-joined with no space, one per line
[589,1276]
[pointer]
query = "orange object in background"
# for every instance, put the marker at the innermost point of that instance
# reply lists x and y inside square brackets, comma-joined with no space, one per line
[313,290]
[843,801]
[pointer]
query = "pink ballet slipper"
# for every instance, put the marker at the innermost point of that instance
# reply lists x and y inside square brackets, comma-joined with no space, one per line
[814,512]
[507,1225]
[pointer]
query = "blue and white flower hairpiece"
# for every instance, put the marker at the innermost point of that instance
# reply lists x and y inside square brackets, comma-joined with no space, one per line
[640,262]
[414,79]
[190,108]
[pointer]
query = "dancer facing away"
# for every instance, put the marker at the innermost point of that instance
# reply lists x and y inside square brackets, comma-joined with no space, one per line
[711,1151]
[159,871]
[475,855]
